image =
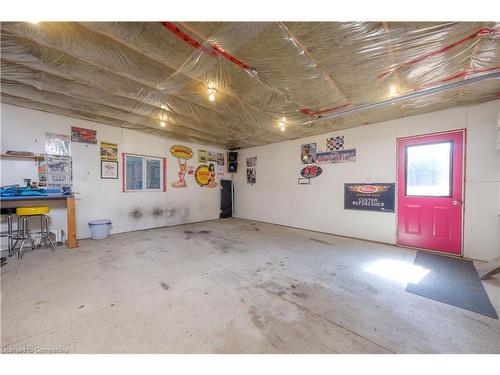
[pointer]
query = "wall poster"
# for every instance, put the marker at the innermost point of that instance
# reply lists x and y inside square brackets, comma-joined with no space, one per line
[220,158]
[58,171]
[220,171]
[252,162]
[202,156]
[57,144]
[308,153]
[336,156]
[42,173]
[109,151]
[335,143]
[251,175]
[369,197]
[83,135]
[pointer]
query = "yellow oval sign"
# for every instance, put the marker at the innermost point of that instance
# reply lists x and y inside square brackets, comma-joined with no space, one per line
[181,152]
[202,175]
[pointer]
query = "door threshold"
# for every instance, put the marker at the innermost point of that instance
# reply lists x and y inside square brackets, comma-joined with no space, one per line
[432,251]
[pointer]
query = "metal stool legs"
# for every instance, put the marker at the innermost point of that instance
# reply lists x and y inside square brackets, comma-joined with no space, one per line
[24,234]
[45,231]
[10,240]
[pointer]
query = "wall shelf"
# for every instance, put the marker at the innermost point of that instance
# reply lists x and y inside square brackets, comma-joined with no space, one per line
[14,156]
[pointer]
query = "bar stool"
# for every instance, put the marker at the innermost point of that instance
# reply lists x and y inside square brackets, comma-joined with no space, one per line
[8,211]
[23,232]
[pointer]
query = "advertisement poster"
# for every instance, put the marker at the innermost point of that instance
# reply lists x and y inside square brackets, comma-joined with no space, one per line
[58,171]
[338,156]
[252,162]
[42,173]
[308,153]
[369,197]
[109,151]
[83,135]
[57,144]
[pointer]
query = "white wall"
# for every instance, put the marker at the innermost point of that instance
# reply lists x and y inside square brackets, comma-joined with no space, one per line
[99,198]
[277,198]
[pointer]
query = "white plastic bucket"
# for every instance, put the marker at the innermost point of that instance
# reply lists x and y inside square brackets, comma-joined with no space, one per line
[99,229]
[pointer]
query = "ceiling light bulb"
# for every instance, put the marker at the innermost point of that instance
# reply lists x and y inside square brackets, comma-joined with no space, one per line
[282,124]
[211,94]
[393,91]
[163,124]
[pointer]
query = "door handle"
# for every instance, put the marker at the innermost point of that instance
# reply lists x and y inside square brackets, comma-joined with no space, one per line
[457,202]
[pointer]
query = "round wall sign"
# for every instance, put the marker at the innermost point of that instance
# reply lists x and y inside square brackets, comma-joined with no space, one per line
[202,175]
[311,171]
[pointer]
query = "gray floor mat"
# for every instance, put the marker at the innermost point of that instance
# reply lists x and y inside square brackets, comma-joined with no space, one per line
[452,281]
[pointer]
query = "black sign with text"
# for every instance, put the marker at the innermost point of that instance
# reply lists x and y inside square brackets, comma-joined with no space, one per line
[369,197]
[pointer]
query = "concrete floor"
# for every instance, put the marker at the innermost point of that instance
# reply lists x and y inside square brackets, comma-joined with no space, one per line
[231,286]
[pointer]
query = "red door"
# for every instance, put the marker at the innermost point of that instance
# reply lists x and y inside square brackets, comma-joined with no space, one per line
[430,184]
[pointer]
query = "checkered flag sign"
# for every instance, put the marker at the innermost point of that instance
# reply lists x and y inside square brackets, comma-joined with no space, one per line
[335,143]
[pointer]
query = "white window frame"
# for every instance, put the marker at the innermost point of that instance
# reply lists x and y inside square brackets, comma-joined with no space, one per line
[145,159]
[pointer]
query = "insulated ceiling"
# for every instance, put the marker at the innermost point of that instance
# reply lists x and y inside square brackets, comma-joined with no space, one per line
[139,74]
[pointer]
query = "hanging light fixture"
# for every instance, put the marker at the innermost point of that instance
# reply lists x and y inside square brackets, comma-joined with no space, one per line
[211,94]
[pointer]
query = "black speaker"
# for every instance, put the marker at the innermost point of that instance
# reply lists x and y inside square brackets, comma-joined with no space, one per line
[232,167]
[232,156]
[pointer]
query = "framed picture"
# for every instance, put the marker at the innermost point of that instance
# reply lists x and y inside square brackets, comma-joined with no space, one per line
[109,169]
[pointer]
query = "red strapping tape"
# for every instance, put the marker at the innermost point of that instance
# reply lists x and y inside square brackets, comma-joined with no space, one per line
[481,32]
[460,75]
[310,112]
[213,51]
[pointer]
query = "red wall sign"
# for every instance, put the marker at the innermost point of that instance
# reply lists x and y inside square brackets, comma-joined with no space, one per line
[311,171]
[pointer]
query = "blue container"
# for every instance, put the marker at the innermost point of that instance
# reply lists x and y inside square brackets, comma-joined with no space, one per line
[100,229]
